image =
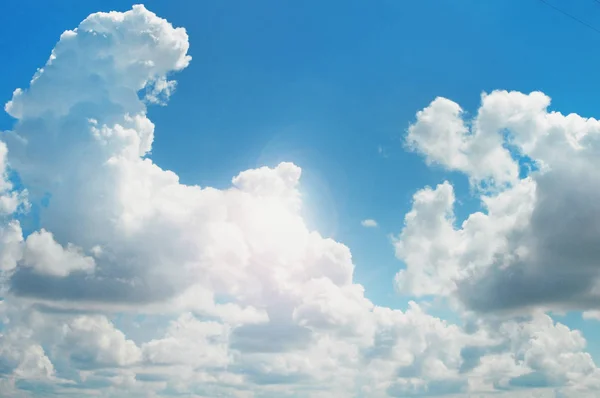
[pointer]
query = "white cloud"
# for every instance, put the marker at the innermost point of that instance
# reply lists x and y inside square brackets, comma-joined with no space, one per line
[515,253]
[438,255]
[191,342]
[444,138]
[11,251]
[369,223]
[256,302]
[94,341]
[31,363]
[591,315]
[427,243]
[9,200]
[546,352]
[47,257]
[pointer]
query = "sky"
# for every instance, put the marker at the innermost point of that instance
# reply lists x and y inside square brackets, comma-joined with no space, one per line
[317,199]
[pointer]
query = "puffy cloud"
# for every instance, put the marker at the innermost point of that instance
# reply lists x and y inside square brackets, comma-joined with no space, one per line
[427,243]
[189,341]
[532,351]
[10,200]
[11,250]
[438,255]
[249,301]
[27,361]
[535,241]
[108,59]
[47,257]
[368,223]
[441,134]
[94,341]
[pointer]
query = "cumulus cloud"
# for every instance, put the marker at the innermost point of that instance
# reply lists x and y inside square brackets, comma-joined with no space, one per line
[190,341]
[251,301]
[441,134]
[94,341]
[535,243]
[45,256]
[11,250]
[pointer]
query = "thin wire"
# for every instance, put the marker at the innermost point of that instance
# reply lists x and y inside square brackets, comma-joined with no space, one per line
[574,18]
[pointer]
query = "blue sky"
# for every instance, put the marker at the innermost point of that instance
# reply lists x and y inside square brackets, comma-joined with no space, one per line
[332,87]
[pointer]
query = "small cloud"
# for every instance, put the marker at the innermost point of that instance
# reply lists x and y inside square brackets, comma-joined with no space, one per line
[369,223]
[591,315]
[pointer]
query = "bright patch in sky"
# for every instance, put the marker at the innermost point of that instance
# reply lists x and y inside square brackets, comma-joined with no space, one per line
[119,279]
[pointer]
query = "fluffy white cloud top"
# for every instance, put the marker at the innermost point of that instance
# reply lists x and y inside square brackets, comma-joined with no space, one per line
[535,242]
[250,301]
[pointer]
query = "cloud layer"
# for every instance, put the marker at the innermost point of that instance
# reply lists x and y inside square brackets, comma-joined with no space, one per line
[134,284]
